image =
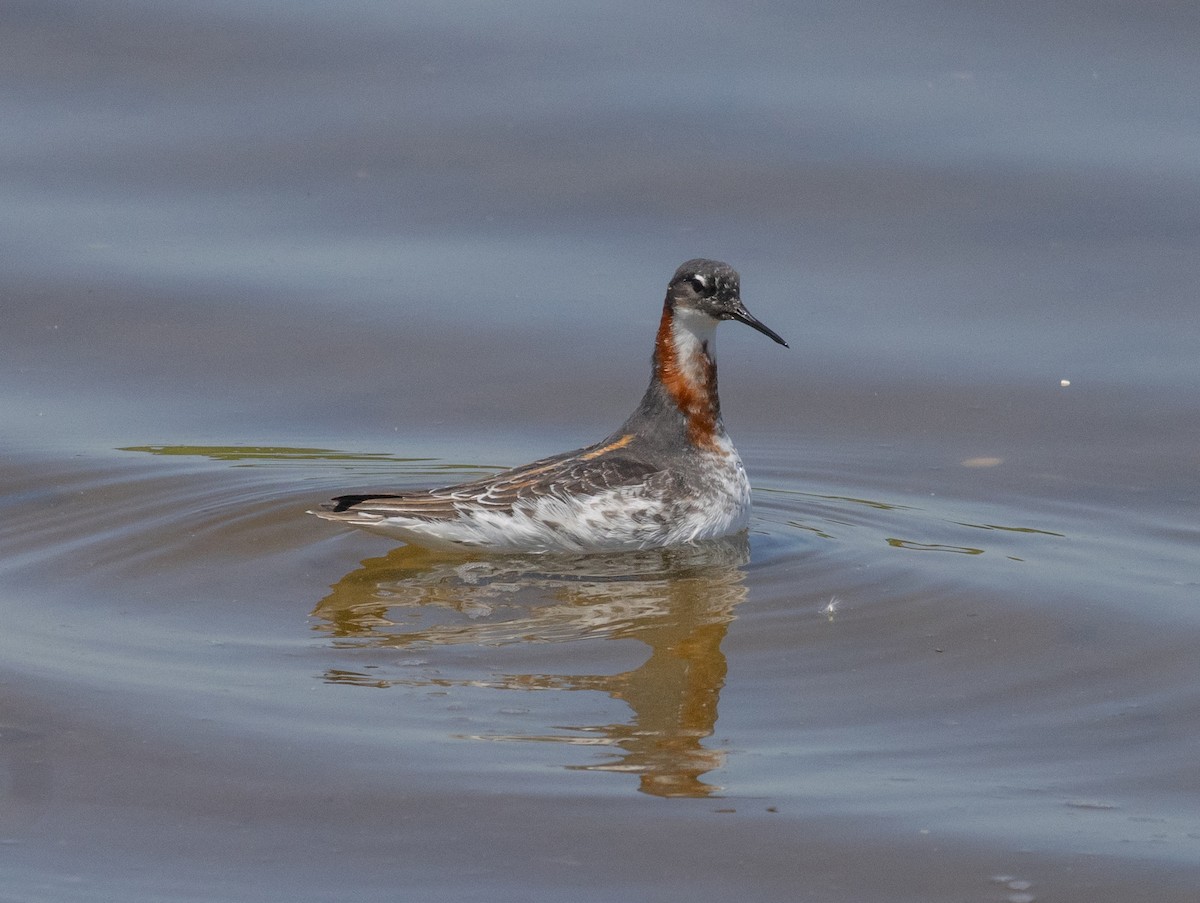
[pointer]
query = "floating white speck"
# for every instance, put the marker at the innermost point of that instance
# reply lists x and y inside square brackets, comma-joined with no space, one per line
[1064,382]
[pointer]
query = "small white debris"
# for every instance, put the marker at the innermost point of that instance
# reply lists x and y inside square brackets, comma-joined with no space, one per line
[1064,382]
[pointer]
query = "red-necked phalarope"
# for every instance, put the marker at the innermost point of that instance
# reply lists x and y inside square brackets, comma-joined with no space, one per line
[669,476]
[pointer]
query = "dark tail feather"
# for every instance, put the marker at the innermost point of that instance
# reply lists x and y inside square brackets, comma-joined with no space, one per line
[346,502]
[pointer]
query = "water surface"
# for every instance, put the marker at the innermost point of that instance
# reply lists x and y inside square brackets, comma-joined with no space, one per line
[259,257]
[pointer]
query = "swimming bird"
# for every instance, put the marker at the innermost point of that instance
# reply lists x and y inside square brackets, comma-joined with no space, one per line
[668,476]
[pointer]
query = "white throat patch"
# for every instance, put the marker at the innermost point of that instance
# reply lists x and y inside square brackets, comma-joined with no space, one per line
[693,332]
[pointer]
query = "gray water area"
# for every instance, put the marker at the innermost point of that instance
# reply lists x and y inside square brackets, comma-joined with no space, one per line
[260,255]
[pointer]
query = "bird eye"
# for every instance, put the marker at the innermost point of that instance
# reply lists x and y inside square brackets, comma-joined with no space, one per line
[699,284]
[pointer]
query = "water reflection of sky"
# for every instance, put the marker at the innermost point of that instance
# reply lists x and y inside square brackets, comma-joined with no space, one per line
[996,192]
[443,232]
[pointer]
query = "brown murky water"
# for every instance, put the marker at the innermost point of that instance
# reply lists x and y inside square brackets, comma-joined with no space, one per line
[260,257]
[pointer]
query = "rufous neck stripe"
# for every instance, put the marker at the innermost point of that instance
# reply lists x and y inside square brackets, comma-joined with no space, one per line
[692,384]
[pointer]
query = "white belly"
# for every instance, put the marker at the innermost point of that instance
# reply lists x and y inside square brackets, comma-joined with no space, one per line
[716,503]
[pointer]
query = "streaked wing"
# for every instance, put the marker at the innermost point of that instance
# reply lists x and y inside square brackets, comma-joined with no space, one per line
[583,473]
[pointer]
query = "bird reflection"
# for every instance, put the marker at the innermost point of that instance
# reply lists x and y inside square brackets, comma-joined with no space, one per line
[679,602]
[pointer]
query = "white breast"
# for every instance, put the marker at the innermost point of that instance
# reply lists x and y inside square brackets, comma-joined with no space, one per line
[624,519]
